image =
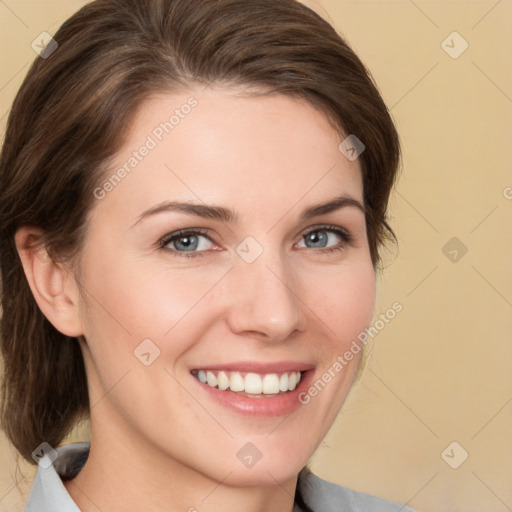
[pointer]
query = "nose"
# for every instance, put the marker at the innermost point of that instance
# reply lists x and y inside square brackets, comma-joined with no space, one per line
[264,300]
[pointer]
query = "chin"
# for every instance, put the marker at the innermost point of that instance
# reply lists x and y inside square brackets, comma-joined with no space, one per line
[248,468]
[268,475]
[275,466]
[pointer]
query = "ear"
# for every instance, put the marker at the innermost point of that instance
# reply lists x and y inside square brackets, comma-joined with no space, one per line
[53,285]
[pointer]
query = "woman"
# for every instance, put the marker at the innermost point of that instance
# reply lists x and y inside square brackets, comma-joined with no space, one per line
[193,197]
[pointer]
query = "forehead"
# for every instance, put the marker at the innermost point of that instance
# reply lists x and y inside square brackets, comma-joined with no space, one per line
[259,154]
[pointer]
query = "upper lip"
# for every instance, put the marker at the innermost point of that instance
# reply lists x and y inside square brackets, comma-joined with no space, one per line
[259,367]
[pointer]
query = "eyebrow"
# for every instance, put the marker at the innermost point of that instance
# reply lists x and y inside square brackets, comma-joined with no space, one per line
[228,215]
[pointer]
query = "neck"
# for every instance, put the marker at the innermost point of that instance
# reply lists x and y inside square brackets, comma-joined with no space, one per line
[125,473]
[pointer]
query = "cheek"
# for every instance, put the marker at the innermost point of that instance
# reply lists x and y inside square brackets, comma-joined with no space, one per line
[343,299]
[131,302]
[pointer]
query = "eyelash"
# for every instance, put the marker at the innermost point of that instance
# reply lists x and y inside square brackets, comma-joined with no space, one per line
[347,239]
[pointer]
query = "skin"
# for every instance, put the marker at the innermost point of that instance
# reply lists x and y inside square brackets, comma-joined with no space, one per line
[158,441]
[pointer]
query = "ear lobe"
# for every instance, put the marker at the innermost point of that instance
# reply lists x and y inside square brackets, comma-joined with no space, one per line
[53,286]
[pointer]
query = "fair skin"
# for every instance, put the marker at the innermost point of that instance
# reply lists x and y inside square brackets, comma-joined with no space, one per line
[159,440]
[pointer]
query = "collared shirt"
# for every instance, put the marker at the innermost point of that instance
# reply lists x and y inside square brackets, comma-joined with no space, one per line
[48,493]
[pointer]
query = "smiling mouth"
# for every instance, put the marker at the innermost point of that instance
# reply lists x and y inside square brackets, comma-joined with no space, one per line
[248,383]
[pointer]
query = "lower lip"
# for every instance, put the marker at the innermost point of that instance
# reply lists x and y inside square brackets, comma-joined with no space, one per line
[262,405]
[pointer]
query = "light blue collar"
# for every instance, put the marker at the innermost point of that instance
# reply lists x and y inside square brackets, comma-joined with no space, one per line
[48,493]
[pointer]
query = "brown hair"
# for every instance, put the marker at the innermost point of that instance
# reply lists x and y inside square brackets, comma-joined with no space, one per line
[69,119]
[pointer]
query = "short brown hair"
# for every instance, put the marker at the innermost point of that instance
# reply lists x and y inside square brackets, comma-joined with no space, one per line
[69,118]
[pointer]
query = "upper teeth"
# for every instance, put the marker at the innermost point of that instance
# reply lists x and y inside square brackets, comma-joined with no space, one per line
[253,383]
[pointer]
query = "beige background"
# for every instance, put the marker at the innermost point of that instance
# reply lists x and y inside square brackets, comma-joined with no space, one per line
[439,372]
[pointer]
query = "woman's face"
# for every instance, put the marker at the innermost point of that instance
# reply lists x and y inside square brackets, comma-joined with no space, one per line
[263,287]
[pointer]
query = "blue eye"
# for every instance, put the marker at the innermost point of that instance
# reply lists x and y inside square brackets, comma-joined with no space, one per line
[193,243]
[321,237]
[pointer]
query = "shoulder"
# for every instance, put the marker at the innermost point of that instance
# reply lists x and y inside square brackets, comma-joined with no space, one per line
[48,493]
[324,496]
